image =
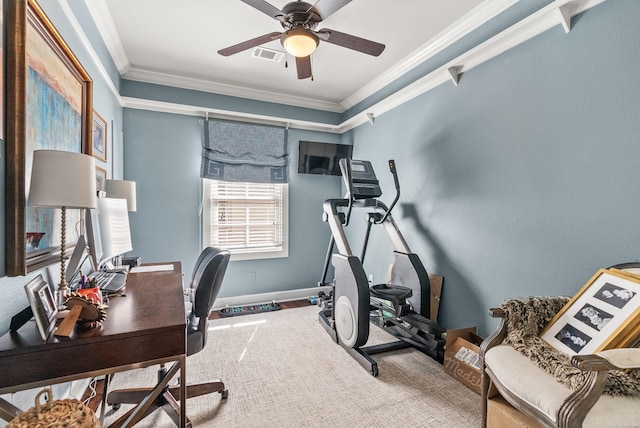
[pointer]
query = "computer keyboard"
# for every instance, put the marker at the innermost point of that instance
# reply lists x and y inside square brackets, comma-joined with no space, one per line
[109,282]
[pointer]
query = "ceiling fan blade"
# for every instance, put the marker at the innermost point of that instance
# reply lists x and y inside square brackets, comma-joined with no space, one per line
[249,44]
[352,42]
[328,7]
[265,8]
[303,65]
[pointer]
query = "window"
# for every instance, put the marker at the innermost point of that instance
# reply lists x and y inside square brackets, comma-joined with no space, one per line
[249,219]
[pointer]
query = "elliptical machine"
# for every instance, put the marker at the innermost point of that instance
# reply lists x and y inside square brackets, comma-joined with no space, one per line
[401,307]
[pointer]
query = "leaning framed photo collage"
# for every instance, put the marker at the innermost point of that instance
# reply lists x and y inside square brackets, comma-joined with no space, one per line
[604,314]
[43,305]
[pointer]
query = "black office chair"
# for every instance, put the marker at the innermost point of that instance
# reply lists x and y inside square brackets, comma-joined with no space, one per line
[205,285]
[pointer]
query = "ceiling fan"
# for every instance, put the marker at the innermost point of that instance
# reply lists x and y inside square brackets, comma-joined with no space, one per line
[299,20]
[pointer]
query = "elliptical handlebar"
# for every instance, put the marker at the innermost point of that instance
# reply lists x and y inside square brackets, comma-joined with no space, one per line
[349,176]
[392,168]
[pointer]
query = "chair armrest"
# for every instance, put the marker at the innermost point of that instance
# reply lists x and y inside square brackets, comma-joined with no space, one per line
[498,334]
[576,407]
[497,313]
[611,359]
[494,339]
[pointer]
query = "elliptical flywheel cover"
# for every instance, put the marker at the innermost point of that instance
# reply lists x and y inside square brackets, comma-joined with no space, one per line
[346,325]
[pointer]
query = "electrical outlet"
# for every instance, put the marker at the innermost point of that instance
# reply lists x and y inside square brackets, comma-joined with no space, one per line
[252,277]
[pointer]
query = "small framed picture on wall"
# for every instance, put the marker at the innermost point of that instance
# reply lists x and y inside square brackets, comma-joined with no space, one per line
[99,137]
[101,179]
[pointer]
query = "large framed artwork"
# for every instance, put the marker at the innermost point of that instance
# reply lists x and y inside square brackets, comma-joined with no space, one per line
[600,316]
[49,106]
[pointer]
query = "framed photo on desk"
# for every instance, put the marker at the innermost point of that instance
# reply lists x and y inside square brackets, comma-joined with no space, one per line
[43,305]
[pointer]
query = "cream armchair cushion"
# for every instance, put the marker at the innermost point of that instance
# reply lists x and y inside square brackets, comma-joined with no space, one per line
[554,390]
[523,384]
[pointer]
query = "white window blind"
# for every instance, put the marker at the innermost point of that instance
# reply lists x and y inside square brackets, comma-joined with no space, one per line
[246,218]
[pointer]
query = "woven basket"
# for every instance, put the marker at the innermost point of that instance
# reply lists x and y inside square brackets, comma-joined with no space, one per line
[56,413]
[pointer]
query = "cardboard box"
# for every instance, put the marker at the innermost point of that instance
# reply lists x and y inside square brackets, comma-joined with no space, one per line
[462,358]
[500,414]
[435,282]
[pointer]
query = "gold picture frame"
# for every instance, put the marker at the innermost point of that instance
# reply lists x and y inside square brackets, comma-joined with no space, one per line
[38,61]
[600,316]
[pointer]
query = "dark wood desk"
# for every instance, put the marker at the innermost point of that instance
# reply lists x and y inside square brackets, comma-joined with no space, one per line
[146,326]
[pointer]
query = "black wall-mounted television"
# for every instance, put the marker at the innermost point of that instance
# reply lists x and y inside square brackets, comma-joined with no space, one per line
[321,158]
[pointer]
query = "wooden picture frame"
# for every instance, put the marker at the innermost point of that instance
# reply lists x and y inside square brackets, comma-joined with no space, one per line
[101,179]
[598,317]
[43,305]
[40,68]
[98,148]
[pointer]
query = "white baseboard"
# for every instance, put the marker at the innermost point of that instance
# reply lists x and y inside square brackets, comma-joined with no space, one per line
[277,296]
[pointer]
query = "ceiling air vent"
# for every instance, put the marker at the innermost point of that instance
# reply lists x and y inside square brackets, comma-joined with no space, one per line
[268,54]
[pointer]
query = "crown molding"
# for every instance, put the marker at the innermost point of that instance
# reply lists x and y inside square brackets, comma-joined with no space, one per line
[104,22]
[557,13]
[148,76]
[463,26]
[66,9]
[190,110]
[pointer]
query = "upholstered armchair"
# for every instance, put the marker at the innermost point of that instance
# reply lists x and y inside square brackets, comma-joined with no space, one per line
[599,390]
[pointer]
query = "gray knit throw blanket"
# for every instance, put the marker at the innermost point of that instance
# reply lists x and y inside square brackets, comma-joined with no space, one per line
[527,317]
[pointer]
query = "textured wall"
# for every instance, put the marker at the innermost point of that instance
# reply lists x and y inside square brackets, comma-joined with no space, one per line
[162,154]
[520,181]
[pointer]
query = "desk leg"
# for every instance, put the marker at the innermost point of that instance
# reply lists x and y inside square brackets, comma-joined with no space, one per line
[8,411]
[105,390]
[141,410]
[183,391]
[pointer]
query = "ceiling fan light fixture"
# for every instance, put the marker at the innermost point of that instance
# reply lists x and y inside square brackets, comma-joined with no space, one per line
[299,42]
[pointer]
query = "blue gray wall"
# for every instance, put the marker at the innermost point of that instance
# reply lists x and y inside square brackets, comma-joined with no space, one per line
[162,154]
[521,180]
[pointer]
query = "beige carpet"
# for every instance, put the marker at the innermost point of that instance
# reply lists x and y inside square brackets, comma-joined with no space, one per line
[282,370]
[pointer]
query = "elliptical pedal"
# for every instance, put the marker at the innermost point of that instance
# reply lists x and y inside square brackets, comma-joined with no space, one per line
[423,324]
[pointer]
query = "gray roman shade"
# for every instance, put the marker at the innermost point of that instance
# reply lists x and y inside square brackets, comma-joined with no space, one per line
[235,151]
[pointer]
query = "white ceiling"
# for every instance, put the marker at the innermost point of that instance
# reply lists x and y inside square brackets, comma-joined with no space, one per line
[176,42]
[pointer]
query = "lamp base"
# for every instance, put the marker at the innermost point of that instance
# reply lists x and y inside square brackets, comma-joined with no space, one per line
[61,296]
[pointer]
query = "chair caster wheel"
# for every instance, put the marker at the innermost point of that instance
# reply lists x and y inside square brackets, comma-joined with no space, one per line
[115,407]
[224,394]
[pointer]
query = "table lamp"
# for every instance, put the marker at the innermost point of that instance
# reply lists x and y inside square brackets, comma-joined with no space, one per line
[122,189]
[62,180]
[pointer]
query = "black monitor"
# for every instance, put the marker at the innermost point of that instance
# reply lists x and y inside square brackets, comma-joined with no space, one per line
[321,158]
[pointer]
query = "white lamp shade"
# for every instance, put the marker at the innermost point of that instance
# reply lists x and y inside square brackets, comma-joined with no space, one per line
[122,189]
[62,179]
